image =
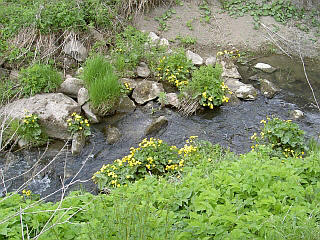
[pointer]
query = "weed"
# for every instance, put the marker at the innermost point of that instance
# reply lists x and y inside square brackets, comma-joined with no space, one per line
[163,26]
[189,25]
[162,99]
[77,124]
[186,41]
[205,11]
[39,78]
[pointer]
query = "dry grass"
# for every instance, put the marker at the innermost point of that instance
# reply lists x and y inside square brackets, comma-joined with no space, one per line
[135,7]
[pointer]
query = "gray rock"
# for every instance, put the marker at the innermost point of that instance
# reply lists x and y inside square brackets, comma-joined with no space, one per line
[132,83]
[267,88]
[71,86]
[97,36]
[125,105]
[143,70]
[255,78]
[78,142]
[233,100]
[163,42]
[53,110]
[229,70]
[22,143]
[14,75]
[113,135]
[172,100]
[153,37]
[265,67]
[89,112]
[233,84]
[195,58]
[247,92]
[76,49]
[297,114]
[211,61]
[156,125]
[147,91]
[83,96]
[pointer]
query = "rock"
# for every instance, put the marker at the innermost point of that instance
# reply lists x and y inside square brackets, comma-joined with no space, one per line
[233,100]
[131,82]
[297,114]
[71,86]
[255,78]
[163,42]
[211,61]
[22,143]
[53,110]
[147,91]
[69,63]
[195,58]
[229,70]
[88,111]
[14,75]
[156,125]
[153,37]
[125,105]
[246,92]
[267,88]
[143,70]
[233,84]
[78,142]
[83,96]
[172,100]
[265,67]
[113,134]
[97,36]
[75,49]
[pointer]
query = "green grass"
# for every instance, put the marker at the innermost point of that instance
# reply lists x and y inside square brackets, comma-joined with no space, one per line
[102,83]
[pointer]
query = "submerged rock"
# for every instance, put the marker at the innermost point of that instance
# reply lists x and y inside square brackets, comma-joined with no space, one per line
[53,110]
[265,67]
[267,88]
[147,91]
[78,142]
[195,58]
[143,70]
[71,86]
[156,125]
[113,135]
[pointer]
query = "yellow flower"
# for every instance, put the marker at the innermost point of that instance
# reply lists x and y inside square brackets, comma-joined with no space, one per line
[263,121]
[88,124]
[80,128]
[69,124]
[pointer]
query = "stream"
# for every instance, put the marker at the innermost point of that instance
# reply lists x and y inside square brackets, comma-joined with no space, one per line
[229,126]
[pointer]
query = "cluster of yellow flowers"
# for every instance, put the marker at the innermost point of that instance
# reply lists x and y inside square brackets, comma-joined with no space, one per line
[78,120]
[26,192]
[233,53]
[31,118]
[127,86]
[119,50]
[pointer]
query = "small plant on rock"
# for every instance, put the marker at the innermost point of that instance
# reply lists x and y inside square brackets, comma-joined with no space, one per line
[39,78]
[78,124]
[175,69]
[285,137]
[207,85]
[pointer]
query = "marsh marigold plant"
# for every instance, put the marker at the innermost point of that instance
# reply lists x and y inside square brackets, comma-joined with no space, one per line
[78,124]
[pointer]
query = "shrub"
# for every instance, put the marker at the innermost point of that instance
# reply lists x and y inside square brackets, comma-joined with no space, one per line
[153,157]
[39,78]
[207,85]
[285,137]
[103,86]
[77,124]
[175,69]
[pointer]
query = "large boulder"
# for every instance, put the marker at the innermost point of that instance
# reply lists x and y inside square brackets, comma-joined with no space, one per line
[265,67]
[267,88]
[195,58]
[156,125]
[71,86]
[76,49]
[53,110]
[147,91]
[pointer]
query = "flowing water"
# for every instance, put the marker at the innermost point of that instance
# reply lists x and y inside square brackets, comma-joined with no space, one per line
[230,126]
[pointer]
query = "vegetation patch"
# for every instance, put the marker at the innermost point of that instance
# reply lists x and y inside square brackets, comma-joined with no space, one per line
[78,124]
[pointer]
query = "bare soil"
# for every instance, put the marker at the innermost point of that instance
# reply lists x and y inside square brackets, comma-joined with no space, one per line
[225,32]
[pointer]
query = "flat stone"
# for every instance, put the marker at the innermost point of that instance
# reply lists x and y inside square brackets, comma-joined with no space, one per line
[265,67]
[71,86]
[88,111]
[132,83]
[195,58]
[156,125]
[246,92]
[143,70]
[147,91]
[267,88]
[53,110]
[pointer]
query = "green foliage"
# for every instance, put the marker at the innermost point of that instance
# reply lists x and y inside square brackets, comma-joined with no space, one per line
[39,78]
[152,157]
[205,11]
[77,124]
[218,196]
[284,136]
[103,86]
[31,131]
[163,25]
[186,41]
[175,69]
[9,131]
[207,85]
[189,25]
[280,10]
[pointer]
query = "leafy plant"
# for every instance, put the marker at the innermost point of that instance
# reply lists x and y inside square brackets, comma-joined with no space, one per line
[205,11]
[285,137]
[186,41]
[175,69]
[189,24]
[207,85]
[39,78]
[163,26]
[31,131]
[77,124]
